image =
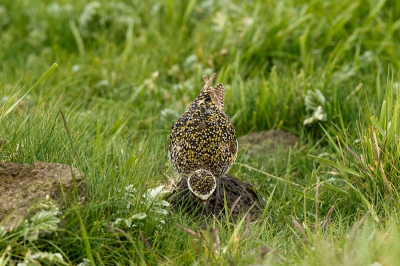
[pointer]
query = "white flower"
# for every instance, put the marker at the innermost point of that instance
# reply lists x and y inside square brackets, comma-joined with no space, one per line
[315,101]
[102,83]
[85,262]
[88,13]
[318,115]
[76,68]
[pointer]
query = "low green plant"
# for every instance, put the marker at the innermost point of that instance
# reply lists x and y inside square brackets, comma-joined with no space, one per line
[21,242]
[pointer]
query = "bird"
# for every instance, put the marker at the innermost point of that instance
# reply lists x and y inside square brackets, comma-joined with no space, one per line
[202,184]
[204,137]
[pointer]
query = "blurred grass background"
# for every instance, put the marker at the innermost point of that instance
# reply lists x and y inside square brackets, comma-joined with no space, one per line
[128,69]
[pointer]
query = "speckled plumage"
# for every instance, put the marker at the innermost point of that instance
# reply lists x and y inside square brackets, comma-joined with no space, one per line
[202,184]
[204,136]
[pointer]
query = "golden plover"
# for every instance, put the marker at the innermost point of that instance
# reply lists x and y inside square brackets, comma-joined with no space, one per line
[204,136]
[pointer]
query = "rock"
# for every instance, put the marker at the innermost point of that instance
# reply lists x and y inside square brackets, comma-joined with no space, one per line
[260,144]
[22,185]
[236,192]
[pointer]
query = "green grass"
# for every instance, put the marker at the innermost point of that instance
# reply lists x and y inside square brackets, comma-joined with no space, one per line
[128,69]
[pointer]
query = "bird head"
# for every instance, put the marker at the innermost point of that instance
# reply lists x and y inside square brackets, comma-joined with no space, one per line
[202,184]
[216,94]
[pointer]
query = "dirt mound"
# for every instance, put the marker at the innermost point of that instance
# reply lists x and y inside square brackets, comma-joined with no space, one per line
[22,185]
[238,195]
[259,144]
